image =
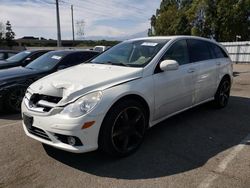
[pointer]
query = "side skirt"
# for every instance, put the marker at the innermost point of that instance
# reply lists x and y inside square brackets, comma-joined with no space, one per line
[151,124]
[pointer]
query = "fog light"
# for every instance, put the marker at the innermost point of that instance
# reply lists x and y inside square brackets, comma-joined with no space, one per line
[71,140]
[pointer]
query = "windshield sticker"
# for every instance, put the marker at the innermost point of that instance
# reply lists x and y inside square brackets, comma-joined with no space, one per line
[149,44]
[27,52]
[56,57]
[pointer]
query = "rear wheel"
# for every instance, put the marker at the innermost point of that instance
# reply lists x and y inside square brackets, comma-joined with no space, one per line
[13,99]
[223,93]
[123,129]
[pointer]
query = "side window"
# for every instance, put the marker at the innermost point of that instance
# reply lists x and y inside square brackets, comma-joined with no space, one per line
[69,60]
[2,56]
[198,50]
[178,52]
[36,55]
[218,52]
[86,56]
[11,54]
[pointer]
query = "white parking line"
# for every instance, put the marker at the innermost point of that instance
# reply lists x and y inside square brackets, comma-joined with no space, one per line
[223,165]
[6,125]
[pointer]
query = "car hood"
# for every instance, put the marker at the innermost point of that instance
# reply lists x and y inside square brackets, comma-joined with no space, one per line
[3,61]
[76,81]
[15,72]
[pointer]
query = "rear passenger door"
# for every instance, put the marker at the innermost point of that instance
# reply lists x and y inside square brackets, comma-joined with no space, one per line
[205,70]
[221,59]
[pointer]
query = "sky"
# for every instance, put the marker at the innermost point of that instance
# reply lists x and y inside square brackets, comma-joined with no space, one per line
[102,18]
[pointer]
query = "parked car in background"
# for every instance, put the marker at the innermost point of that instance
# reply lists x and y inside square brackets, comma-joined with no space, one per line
[22,58]
[5,54]
[110,102]
[14,81]
[101,48]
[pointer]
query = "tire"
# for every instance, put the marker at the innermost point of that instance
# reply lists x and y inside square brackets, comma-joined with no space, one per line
[13,99]
[123,129]
[222,95]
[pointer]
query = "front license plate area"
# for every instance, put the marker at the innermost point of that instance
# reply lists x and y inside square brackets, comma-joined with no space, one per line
[28,121]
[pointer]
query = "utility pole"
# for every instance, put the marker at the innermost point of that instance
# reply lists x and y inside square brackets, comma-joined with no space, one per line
[73,29]
[59,42]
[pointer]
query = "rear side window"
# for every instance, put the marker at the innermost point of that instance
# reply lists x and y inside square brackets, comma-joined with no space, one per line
[36,55]
[11,54]
[198,50]
[178,52]
[77,58]
[85,56]
[218,52]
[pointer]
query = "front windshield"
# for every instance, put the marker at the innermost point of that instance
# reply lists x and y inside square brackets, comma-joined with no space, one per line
[19,57]
[131,53]
[47,61]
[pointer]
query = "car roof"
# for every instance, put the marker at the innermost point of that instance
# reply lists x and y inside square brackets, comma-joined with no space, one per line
[15,51]
[71,51]
[173,38]
[38,50]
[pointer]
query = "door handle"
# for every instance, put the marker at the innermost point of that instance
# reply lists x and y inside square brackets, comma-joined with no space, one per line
[218,63]
[191,70]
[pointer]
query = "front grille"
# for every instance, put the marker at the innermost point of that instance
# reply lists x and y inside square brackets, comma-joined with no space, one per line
[41,103]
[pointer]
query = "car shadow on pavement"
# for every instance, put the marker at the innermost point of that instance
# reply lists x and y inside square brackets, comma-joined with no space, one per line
[179,144]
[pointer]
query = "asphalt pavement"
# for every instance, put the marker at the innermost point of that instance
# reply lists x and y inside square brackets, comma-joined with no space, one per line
[202,147]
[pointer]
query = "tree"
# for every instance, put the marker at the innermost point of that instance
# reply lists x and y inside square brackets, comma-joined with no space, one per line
[218,19]
[9,35]
[2,32]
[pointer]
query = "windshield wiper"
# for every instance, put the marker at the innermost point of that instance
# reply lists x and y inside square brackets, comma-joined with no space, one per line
[119,64]
[29,68]
[110,63]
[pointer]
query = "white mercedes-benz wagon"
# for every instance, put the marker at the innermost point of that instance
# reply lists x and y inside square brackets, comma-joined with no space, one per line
[110,102]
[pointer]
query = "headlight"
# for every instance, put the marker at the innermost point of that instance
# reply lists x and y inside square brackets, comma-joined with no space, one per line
[83,105]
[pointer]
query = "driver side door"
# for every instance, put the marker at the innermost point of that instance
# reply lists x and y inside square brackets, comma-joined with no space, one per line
[173,90]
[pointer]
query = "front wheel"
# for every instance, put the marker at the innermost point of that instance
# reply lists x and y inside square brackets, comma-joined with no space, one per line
[13,99]
[223,93]
[123,128]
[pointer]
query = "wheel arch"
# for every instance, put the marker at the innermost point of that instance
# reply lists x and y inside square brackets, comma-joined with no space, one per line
[135,97]
[226,76]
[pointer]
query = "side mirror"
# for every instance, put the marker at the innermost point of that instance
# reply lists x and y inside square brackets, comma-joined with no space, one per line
[26,61]
[169,65]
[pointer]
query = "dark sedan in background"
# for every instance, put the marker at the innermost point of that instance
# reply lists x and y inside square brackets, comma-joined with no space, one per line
[22,59]
[5,54]
[15,81]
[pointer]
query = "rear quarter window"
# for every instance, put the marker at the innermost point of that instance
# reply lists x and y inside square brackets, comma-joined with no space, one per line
[218,51]
[198,50]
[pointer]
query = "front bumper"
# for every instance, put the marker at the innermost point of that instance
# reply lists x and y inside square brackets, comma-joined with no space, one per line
[55,124]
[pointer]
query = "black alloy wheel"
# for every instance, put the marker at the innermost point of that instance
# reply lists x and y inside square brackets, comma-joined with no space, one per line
[123,129]
[14,99]
[223,94]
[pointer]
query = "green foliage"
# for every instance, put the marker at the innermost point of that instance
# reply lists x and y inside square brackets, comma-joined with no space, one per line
[6,35]
[219,19]
[9,35]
